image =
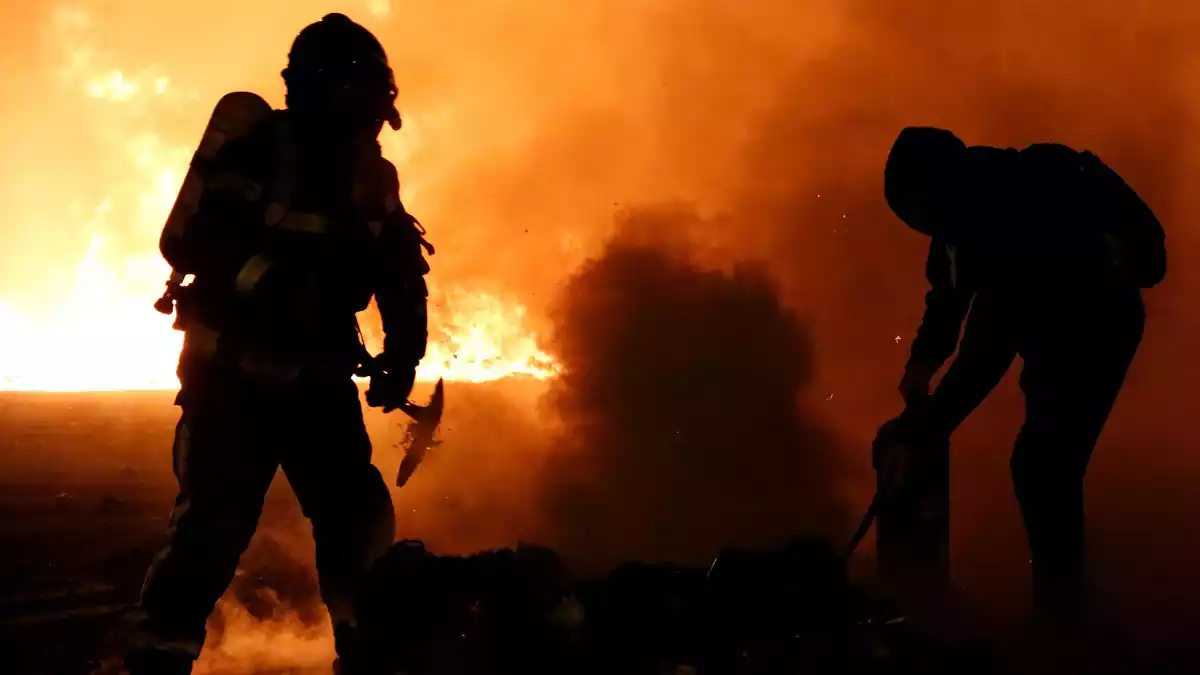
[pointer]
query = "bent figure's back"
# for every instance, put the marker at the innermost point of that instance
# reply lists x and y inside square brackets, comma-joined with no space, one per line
[1044,221]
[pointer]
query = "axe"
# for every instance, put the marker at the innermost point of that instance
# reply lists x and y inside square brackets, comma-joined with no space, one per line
[426,419]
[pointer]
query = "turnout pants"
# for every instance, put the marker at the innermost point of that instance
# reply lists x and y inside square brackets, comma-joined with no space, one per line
[229,442]
[1073,373]
[1075,361]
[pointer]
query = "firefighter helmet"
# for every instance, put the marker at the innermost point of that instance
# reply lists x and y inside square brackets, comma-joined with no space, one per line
[338,67]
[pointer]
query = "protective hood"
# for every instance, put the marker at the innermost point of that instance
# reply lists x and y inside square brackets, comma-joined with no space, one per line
[920,173]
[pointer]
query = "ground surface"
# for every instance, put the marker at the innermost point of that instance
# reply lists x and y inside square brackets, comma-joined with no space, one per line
[85,490]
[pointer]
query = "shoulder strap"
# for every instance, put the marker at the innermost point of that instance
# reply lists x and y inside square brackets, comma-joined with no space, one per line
[284,187]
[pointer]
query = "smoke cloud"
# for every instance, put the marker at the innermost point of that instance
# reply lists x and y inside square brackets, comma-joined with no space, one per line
[682,430]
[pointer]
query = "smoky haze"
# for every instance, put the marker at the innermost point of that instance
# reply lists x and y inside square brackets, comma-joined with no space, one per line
[531,125]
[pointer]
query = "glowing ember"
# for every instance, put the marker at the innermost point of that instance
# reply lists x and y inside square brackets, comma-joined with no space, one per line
[95,329]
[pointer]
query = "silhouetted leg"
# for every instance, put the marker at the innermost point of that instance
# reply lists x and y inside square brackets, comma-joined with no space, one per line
[1071,381]
[343,495]
[223,477]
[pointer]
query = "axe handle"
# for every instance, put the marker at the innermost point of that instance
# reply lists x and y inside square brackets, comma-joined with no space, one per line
[863,528]
[912,402]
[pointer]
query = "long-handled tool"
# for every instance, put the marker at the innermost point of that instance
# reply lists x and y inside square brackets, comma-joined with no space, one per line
[891,462]
[890,467]
[864,526]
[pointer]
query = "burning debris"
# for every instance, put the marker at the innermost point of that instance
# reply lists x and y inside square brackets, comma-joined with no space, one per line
[749,611]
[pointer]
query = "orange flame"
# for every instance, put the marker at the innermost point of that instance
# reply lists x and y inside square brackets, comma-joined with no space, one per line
[97,330]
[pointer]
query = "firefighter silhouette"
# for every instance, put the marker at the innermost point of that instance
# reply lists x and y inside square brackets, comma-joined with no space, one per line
[1050,249]
[289,222]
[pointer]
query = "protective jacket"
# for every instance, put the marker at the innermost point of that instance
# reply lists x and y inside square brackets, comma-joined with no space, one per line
[1047,233]
[291,236]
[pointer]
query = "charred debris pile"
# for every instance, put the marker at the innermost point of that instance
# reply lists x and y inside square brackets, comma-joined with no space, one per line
[790,610]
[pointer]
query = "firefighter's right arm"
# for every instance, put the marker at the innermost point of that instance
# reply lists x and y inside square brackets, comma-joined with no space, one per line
[984,356]
[401,293]
[946,305]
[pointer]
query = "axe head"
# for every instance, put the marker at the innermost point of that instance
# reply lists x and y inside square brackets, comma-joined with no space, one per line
[425,422]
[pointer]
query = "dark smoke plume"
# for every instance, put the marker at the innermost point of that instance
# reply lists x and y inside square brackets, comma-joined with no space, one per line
[682,426]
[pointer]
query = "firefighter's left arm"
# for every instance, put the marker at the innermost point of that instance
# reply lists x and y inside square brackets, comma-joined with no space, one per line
[401,293]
